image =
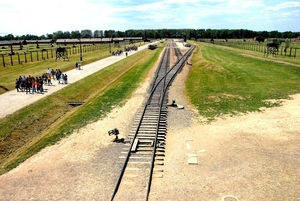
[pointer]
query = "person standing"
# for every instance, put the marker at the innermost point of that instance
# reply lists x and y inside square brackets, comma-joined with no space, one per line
[33,85]
[18,83]
[28,85]
[38,85]
[66,78]
[41,82]
[49,79]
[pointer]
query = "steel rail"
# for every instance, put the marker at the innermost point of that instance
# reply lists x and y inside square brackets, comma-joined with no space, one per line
[165,55]
[163,79]
[181,65]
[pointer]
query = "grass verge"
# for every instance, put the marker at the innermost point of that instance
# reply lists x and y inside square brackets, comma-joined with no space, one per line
[224,82]
[47,121]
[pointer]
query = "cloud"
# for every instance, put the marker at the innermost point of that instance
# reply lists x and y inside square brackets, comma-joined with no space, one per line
[36,17]
[246,3]
[284,5]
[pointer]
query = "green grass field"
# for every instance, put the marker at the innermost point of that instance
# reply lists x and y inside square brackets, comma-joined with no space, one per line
[228,81]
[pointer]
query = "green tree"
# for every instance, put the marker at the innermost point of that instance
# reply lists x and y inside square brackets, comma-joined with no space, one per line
[97,34]
[86,33]
[67,34]
[75,34]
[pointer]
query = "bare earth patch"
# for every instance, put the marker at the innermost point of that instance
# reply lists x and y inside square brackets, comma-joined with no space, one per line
[254,156]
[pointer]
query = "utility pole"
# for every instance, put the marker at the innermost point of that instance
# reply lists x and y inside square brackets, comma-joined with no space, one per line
[80,47]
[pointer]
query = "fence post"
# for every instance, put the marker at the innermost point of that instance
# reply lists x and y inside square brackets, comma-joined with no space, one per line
[3,60]
[31,56]
[18,58]
[291,51]
[11,60]
[260,47]
[25,57]
[37,55]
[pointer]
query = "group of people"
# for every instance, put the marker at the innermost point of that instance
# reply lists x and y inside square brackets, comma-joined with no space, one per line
[60,77]
[131,48]
[31,84]
[117,53]
[36,84]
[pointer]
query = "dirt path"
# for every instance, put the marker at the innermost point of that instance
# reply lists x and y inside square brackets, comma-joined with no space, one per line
[254,156]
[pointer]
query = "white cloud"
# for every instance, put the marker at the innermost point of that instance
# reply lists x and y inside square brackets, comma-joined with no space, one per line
[246,3]
[38,17]
[180,1]
[284,5]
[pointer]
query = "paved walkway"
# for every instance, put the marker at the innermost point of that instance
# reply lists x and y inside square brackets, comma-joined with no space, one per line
[12,101]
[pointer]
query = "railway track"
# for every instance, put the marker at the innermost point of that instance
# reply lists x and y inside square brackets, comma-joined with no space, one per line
[144,155]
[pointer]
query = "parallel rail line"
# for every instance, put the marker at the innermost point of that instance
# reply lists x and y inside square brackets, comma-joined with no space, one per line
[144,156]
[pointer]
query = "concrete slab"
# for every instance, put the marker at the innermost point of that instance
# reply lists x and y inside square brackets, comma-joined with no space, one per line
[193,159]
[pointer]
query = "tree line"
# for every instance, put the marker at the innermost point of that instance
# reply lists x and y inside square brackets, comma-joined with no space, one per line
[160,33]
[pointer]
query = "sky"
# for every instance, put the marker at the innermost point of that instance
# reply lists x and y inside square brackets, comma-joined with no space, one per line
[40,17]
